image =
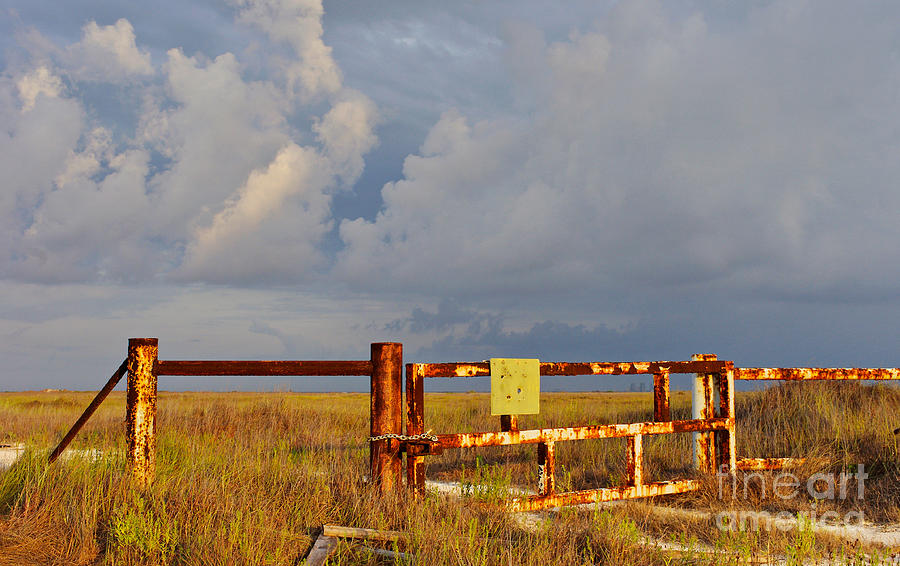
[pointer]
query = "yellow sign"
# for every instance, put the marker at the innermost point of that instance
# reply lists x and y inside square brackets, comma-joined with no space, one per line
[515,386]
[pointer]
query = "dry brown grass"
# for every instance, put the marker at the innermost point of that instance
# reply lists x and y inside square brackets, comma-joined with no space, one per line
[248,478]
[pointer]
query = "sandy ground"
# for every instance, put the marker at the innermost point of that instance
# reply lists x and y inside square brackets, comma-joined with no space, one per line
[9,453]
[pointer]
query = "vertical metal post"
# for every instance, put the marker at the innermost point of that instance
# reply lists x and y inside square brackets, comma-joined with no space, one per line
[415,424]
[386,415]
[140,409]
[509,423]
[725,439]
[702,407]
[661,396]
[546,468]
[635,459]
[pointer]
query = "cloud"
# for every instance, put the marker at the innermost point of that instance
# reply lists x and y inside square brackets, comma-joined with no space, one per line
[346,134]
[448,316]
[38,131]
[273,223]
[40,82]
[108,54]
[201,168]
[298,23]
[631,180]
[654,153]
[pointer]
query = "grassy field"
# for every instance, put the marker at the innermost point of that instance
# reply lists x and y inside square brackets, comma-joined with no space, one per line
[245,478]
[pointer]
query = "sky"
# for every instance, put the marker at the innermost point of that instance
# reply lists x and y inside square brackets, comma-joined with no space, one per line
[605,181]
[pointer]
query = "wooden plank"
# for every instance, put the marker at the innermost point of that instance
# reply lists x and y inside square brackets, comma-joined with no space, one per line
[321,550]
[360,533]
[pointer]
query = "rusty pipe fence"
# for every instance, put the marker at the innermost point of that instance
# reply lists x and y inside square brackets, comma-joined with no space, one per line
[712,420]
[714,427]
[143,368]
[712,424]
[804,374]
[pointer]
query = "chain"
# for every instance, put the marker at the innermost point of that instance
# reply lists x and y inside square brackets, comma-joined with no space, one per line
[403,437]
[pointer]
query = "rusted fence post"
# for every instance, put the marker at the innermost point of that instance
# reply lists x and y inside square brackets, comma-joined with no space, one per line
[140,409]
[415,424]
[702,407]
[635,459]
[546,452]
[661,396]
[725,439]
[509,423]
[386,415]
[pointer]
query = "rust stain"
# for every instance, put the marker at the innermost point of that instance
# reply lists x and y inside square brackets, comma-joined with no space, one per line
[703,459]
[537,502]
[546,468]
[415,424]
[463,370]
[140,411]
[265,367]
[509,422]
[483,369]
[386,414]
[801,374]
[468,440]
[661,396]
[634,464]
[725,440]
[703,407]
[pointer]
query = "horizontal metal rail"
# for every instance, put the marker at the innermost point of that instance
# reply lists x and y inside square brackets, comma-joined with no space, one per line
[802,374]
[508,438]
[265,368]
[483,369]
[536,502]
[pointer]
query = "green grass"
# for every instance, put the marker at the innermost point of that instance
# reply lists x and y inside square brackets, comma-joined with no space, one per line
[246,478]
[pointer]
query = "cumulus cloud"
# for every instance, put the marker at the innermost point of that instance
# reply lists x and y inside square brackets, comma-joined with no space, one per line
[201,168]
[298,23]
[40,82]
[650,150]
[39,130]
[108,53]
[655,152]
[346,133]
[273,223]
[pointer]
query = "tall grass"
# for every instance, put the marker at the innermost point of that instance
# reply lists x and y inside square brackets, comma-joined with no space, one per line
[249,479]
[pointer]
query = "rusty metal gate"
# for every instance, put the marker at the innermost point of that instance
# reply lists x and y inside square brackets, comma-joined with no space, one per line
[143,367]
[714,428]
[804,374]
[712,422]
